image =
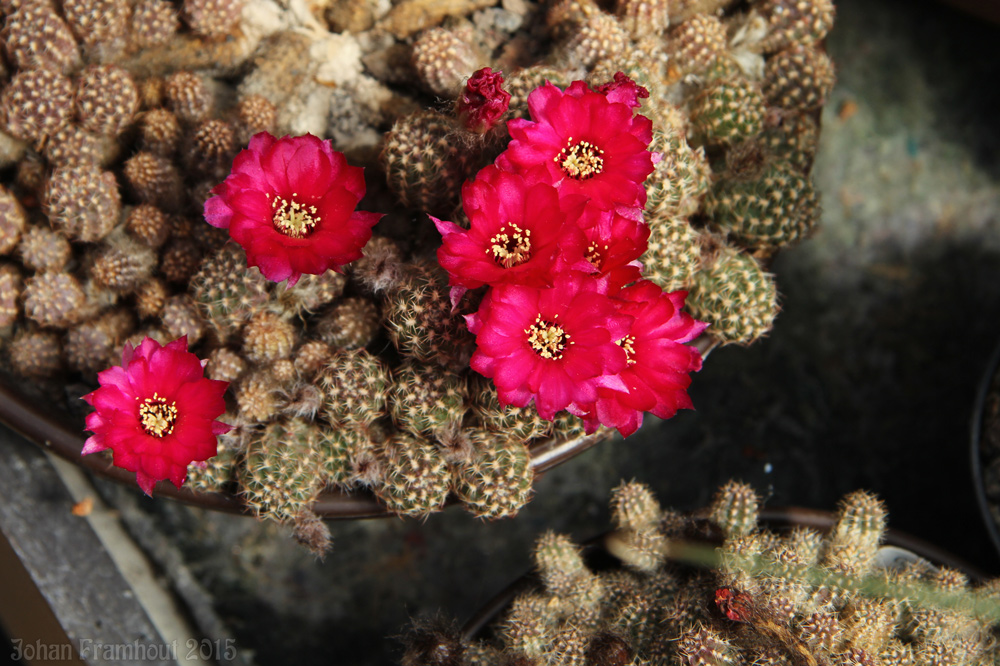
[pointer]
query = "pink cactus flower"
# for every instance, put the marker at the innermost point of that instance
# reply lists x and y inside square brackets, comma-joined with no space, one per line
[483,102]
[587,144]
[290,203]
[156,412]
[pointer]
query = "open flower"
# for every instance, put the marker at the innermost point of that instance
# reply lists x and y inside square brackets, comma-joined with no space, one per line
[587,143]
[656,375]
[156,412]
[290,203]
[554,345]
[614,238]
[517,228]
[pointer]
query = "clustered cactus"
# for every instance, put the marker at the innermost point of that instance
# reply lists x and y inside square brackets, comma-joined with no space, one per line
[116,121]
[794,597]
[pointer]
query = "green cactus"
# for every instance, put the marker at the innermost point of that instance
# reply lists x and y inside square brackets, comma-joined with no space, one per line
[673,253]
[496,482]
[416,477]
[735,296]
[228,292]
[425,400]
[728,111]
[355,384]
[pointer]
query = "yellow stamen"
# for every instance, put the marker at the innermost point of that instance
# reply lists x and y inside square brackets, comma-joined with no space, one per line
[626,344]
[510,248]
[157,417]
[580,160]
[547,339]
[292,218]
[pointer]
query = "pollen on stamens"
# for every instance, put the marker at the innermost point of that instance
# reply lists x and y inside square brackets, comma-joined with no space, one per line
[292,218]
[157,417]
[580,160]
[626,344]
[547,339]
[510,248]
[595,254]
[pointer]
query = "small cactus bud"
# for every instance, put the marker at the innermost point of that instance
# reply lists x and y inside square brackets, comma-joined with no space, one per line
[425,166]
[381,267]
[153,179]
[159,132]
[227,291]
[694,45]
[10,294]
[351,324]
[214,19]
[224,364]
[600,37]
[799,78]
[794,21]
[121,264]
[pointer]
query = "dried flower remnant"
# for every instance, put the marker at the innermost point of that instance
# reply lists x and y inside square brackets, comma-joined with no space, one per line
[483,102]
[290,203]
[156,412]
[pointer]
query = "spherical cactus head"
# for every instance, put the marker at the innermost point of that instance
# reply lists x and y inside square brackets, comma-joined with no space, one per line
[633,506]
[355,383]
[417,479]
[860,526]
[727,111]
[496,481]
[735,509]
[280,478]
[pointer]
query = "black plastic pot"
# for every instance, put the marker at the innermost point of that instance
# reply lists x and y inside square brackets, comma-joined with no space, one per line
[985,450]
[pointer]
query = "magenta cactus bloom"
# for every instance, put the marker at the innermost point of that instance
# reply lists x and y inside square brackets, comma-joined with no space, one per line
[658,363]
[156,412]
[555,345]
[290,203]
[624,90]
[517,230]
[587,143]
[614,238]
[484,101]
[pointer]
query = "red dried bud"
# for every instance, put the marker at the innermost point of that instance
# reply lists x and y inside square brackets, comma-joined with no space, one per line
[484,101]
[624,90]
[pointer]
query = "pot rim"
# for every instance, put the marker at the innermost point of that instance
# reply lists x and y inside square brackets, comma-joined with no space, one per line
[975,453]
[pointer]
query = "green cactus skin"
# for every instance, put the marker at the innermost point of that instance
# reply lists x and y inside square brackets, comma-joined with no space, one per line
[680,179]
[777,209]
[735,296]
[520,423]
[228,292]
[728,111]
[355,384]
[425,400]
[673,254]
[417,479]
[280,477]
[496,482]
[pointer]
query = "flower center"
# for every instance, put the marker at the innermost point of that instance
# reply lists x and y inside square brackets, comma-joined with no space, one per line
[510,248]
[595,254]
[547,339]
[157,417]
[626,344]
[292,218]
[580,160]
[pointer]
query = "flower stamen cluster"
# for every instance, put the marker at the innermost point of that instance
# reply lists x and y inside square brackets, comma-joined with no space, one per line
[157,417]
[293,219]
[580,160]
[556,231]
